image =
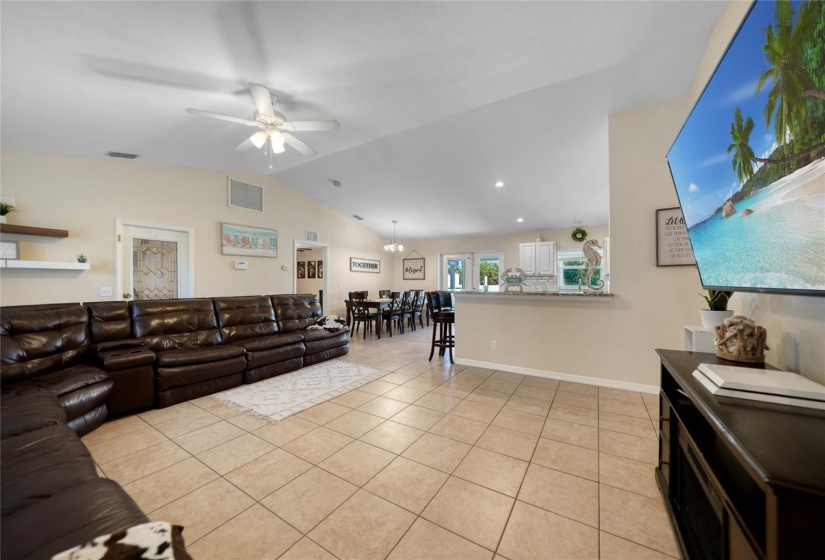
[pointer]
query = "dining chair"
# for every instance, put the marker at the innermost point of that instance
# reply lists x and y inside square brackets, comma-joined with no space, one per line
[392,313]
[418,309]
[361,313]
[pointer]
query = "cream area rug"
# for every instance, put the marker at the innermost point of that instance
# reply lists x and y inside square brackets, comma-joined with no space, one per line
[290,393]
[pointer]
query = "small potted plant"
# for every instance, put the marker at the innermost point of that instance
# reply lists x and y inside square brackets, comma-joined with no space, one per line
[81,258]
[717,310]
[5,208]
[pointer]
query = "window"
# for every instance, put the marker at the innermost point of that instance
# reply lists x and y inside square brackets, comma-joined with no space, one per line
[573,268]
[471,271]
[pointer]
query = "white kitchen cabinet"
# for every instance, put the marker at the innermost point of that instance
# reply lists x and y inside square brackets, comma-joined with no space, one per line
[538,259]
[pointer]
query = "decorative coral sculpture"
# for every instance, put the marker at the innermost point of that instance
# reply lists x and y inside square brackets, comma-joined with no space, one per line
[741,340]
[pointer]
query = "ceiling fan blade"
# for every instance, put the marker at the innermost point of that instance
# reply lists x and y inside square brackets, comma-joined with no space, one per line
[245,145]
[263,99]
[298,145]
[311,126]
[220,117]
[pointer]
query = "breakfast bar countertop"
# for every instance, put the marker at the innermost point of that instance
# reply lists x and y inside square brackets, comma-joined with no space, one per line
[573,294]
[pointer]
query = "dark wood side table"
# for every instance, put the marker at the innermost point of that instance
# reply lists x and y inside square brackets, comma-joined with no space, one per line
[741,479]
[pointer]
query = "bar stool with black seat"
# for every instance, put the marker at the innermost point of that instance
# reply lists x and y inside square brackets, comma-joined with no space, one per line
[443,321]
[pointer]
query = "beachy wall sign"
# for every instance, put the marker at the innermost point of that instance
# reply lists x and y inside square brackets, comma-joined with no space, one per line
[672,243]
[364,265]
[250,241]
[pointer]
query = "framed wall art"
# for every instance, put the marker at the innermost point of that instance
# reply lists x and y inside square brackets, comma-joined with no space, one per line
[9,250]
[413,267]
[672,243]
[249,241]
[301,269]
[311,269]
[320,269]
[364,265]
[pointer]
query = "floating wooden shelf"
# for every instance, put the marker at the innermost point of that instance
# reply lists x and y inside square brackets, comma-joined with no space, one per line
[47,265]
[27,230]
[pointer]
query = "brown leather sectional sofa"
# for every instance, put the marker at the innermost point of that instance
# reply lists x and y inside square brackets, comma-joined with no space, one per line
[65,367]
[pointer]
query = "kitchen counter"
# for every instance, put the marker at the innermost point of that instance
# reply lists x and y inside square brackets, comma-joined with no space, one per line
[555,294]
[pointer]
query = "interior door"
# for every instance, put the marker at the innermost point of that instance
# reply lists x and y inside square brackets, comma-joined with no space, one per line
[154,263]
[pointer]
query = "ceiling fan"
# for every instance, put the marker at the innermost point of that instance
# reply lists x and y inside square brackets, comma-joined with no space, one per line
[274,127]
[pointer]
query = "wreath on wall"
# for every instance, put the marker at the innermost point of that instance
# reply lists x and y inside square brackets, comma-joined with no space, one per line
[578,235]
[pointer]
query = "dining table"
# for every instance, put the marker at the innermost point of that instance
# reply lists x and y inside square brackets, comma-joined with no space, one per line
[378,303]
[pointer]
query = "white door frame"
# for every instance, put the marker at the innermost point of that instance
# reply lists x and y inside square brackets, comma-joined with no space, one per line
[188,282]
[296,243]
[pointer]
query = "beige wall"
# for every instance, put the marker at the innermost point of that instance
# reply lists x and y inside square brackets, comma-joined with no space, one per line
[431,248]
[86,196]
[795,324]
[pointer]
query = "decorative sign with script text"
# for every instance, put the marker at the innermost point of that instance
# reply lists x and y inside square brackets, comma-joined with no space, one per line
[413,269]
[672,243]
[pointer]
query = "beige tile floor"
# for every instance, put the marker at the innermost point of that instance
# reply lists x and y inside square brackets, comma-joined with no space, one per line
[431,461]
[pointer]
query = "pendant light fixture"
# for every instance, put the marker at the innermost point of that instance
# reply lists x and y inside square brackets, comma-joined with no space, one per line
[393,245]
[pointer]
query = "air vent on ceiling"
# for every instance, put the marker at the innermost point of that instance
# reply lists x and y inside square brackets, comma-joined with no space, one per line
[311,235]
[357,217]
[245,196]
[122,155]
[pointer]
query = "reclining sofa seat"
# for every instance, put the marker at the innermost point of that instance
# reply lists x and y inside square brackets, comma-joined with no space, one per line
[190,361]
[249,322]
[296,312]
[127,361]
[46,345]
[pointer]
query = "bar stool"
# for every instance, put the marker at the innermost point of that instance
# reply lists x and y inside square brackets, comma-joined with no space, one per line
[443,321]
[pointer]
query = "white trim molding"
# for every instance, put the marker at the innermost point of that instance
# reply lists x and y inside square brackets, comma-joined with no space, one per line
[587,380]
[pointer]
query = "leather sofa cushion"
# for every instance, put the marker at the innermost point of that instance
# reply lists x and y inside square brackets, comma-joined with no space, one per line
[37,339]
[275,355]
[296,311]
[271,341]
[109,321]
[189,356]
[81,401]
[42,463]
[324,340]
[175,323]
[171,377]
[71,379]
[26,407]
[240,318]
[89,420]
[76,515]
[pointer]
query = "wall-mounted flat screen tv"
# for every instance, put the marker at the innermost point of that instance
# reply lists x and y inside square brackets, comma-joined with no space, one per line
[749,163]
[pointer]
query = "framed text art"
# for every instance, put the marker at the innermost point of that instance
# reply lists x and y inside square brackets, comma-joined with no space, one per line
[672,243]
[249,241]
[413,268]
[364,265]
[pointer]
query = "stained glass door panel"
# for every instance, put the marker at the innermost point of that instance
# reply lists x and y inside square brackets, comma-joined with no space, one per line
[154,269]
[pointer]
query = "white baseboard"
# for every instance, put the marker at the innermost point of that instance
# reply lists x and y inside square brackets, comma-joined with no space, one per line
[612,383]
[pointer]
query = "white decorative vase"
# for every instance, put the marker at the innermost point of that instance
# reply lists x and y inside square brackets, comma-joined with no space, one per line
[2,219]
[712,318]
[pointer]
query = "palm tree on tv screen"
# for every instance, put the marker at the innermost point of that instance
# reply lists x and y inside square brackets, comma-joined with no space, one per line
[743,156]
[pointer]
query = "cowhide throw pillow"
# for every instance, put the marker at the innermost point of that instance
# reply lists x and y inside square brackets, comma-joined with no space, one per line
[151,541]
[330,323]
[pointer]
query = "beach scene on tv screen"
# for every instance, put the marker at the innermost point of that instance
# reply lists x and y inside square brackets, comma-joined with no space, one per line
[749,163]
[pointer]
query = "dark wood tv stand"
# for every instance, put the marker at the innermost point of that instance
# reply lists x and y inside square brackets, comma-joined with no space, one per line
[741,479]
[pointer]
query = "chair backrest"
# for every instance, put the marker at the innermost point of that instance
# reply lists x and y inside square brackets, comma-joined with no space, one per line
[446,299]
[296,311]
[407,301]
[397,300]
[168,324]
[433,302]
[241,318]
[420,298]
[356,304]
[109,321]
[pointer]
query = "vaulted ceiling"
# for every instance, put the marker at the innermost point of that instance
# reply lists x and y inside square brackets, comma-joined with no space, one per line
[437,100]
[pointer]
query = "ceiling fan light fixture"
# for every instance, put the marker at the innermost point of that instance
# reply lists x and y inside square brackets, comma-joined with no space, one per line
[258,139]
[277,147]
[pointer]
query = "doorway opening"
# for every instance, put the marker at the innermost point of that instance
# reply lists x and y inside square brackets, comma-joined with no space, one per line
[311,270]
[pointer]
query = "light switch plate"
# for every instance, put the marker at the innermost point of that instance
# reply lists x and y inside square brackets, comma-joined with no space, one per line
[105,291]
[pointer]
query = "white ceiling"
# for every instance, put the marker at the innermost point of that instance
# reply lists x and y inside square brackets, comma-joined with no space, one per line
[436,100]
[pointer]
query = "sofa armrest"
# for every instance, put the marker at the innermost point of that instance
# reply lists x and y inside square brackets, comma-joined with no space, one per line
[125,358]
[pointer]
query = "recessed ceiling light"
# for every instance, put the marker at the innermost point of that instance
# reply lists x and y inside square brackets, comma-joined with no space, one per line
[499,184]
[122,155]
[577,222]
[520,220]
[335,182]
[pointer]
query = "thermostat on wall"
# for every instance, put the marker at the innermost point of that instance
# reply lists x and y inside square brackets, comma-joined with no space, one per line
[241,265]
